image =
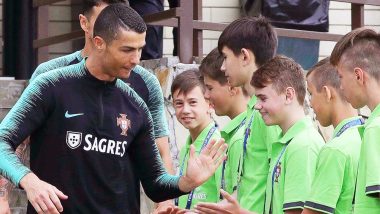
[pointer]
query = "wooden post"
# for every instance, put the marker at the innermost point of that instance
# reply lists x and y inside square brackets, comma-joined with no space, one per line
[357,16]
[185,32]
[198,34]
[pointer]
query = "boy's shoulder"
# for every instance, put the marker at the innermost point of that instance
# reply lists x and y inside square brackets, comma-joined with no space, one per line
[307,136]
[349,140]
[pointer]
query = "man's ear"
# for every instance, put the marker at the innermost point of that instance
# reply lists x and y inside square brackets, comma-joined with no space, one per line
[99,43]
[84,23]
[247,56]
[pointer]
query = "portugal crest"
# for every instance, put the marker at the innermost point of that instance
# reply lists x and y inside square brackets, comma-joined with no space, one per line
[123,123]
[73,139]
[277,172]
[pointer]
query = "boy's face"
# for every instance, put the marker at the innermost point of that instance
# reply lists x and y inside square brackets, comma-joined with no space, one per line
[270,104]
[350,86]
[93,14]
[218,95]
[318,103]
[233,69]
[191,109]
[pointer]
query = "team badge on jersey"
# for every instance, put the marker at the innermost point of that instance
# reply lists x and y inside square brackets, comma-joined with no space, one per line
[73,139]
[277,172]
[123,123]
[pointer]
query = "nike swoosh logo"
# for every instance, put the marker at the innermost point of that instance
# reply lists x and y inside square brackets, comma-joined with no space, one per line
[67,115]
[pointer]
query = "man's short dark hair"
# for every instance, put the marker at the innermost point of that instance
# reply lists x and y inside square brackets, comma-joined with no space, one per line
[325,74]
[359,48]
[211,65]
[116,17]
[253,33]
[87,5]
[187,81]
[282,72]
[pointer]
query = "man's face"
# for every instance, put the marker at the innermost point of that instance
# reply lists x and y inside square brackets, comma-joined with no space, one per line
[233,68]
[318,103]
[191,109]
[123,53]
[270,104]
[218,95]
[350,85]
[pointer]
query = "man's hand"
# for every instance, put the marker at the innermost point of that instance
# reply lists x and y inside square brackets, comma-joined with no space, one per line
[201,167]
[228,206]
[44,197]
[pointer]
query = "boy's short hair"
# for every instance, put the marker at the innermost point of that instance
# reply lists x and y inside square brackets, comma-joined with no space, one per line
[187,81]
[359,48]
[282,72]
[87,5]
[323,74]
[116,17]
[211,65]
[253,33]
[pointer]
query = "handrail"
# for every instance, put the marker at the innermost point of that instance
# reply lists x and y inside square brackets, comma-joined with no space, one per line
[189,27]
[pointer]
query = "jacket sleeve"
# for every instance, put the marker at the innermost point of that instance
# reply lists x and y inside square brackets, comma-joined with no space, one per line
[26,116]
[157,183]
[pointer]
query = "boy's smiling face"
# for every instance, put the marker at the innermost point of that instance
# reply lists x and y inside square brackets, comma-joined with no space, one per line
[191,109]
[270,104]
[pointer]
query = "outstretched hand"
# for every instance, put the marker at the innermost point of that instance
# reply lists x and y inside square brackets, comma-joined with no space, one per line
[201,167]
[228,206]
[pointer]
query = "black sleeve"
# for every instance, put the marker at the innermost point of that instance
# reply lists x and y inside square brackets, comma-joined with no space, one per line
[157,183]
[27,115]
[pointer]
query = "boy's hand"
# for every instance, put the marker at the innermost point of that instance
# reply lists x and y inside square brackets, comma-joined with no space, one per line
[228,206]
[4,206]
[171,210]
[201,167]
[44,197]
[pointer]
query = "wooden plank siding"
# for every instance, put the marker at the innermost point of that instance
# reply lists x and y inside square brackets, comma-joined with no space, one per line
[61,20]
[225,11]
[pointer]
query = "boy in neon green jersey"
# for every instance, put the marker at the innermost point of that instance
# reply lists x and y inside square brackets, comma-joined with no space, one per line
[280,90]
[333,186]
[193,111]
[227,101]
[246,44]
[357,57]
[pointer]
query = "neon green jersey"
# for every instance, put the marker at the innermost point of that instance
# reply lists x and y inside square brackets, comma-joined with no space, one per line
[293,164]
[367,199]
[233,134]
[210,190]
[251,189]
[333,186]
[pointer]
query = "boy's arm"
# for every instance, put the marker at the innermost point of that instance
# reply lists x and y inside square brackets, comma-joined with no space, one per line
[300,166]
[308,211]
[372,158]
[328,181]
[295,211]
